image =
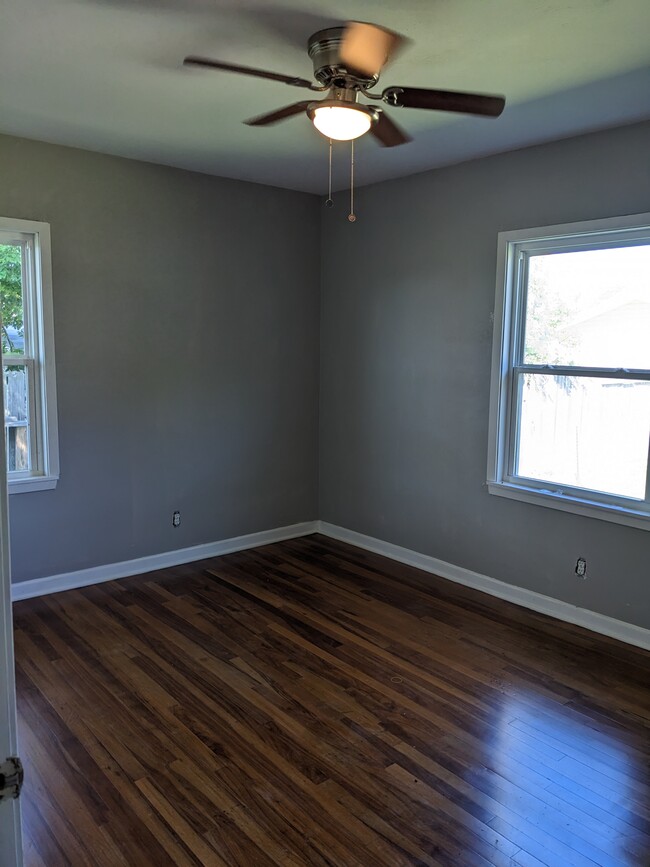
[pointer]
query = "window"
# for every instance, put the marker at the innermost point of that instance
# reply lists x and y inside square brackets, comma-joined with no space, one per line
[28,355]
[570,403]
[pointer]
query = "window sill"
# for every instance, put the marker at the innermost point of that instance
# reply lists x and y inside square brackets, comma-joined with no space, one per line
[576,505]
[32,483]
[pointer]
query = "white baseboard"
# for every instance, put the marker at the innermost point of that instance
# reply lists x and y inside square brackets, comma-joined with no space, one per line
[600,623]
[112,571]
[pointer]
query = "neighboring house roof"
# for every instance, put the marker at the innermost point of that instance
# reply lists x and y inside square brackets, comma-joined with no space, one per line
[617,331]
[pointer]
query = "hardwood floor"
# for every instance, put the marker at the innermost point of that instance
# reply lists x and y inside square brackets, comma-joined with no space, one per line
[309,703]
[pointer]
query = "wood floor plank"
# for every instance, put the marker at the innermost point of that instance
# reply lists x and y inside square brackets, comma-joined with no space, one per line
[310,703]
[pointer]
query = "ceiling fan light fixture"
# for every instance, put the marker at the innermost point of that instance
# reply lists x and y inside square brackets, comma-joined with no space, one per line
[341,122]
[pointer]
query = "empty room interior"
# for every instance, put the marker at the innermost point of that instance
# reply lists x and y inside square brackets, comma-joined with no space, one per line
[327,418]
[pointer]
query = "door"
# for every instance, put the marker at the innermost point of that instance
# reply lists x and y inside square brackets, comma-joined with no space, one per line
[10,836]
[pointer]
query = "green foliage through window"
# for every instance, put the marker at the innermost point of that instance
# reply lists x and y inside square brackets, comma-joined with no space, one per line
[11,296]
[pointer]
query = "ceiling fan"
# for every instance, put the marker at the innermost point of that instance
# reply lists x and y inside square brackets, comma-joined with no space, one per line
[347,62]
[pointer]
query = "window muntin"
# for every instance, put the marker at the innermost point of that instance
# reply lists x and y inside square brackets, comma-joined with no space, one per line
[27,343]
[570,407]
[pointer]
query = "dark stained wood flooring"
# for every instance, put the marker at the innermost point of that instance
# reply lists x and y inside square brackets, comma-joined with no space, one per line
[309,703]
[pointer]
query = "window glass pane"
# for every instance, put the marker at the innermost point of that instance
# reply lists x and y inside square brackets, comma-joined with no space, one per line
[586,432]
[11,299]
[17,449]
[589,308]
[16,417]
[16,399]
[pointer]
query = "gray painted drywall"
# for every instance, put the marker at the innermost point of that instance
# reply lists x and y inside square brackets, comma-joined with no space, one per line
[406,340]
[186,320]
[186,329]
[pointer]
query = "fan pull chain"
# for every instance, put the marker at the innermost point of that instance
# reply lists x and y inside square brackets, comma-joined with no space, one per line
[352,216]
[329,201]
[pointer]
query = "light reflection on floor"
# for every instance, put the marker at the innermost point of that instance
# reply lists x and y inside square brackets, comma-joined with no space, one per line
[562,787]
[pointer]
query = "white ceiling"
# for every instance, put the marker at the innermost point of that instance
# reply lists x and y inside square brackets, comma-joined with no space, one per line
[106,75]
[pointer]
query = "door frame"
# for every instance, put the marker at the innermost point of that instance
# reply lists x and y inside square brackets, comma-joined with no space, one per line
[11,850]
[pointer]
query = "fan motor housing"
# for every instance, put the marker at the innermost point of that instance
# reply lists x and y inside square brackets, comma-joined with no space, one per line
[324,50]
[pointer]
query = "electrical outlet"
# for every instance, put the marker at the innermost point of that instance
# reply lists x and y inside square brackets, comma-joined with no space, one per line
[176,519]
[581,567]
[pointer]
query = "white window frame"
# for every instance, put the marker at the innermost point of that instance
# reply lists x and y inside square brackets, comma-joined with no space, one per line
[39,355]
[508,365]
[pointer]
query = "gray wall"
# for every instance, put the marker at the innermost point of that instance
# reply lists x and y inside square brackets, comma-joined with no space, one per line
[186,326]
[186,329]
[406,337]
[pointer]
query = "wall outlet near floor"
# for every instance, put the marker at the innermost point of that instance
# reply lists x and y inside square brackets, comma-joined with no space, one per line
[176,519]
[581,567]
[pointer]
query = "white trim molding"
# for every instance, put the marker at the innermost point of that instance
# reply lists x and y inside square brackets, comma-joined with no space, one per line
[510,368]
[37,356]
[126,568]
[600,623]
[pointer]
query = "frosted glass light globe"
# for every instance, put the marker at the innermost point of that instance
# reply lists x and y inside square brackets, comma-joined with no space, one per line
[342,123]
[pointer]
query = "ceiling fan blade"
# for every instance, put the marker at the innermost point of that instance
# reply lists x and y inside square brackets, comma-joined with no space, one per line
[206,63]
[280,114]
[444,100]
[387,132]
[367,48]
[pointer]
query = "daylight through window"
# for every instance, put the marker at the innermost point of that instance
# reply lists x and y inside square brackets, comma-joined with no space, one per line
[571,376]
[28,355]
